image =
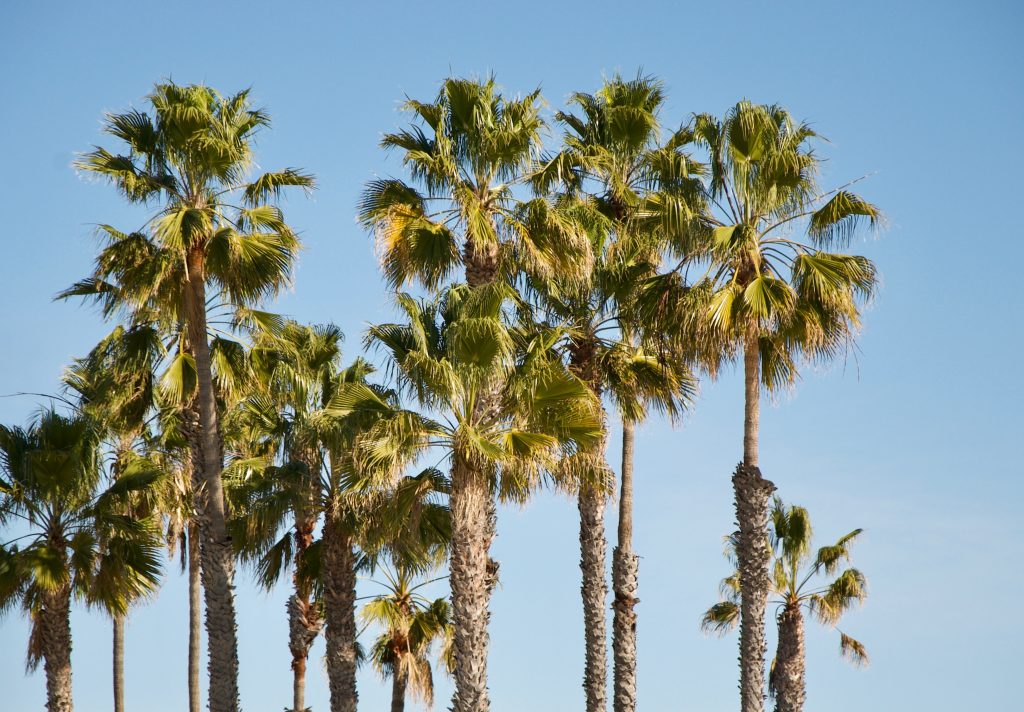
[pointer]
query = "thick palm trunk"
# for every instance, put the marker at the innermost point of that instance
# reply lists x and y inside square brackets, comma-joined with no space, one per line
[55,619]
[217,556]
[593,544]
[304,621]
[195,613]
[118,663]
[788,674]
[339,572]
[398,685]
[470,593]
[593,550]
[625,570]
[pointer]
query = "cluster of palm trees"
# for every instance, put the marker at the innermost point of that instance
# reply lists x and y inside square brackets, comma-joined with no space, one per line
[552,291]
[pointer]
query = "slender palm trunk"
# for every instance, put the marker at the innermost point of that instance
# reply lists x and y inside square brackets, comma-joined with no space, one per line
[55,619]
[217,555]
[195,620]
[304,621]
[118,663]
[398,684]
[625,570]
[787,678]
[752,493]
[339,572]
[469,514]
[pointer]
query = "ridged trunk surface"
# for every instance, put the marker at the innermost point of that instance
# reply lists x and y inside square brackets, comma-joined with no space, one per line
[591,502]
[118,630]
[339,572]
[304,620]
[753,556]
[55,620]
[625,571]
[218,559]
[788,674]
[752,493]
[195,617]
[469,499]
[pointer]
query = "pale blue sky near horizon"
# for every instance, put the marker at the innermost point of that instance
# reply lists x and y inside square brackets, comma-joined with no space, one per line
[916,439]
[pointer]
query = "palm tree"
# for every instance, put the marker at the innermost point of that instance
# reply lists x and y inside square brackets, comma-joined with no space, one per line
[114,385]
[797,585]
[213,230]
[77,541]
[294,371]
[410,625]
[772,291]
[447,354]
[627,190]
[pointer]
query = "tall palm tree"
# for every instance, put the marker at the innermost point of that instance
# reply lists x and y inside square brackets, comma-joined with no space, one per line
[410,625]
[628,189]
[78,543]
[114,385]
[294,372]
[798,585]
[773,291]
[447,354]
[215,230]
[466,153]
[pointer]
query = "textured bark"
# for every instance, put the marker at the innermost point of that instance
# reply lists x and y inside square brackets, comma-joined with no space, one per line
[55,620]
[753,556]
[339,574]
[593,550]
[481,263]
[217,556]
[118,663]
[593,544]
[304,620]
[625,570]
[398,684]
[469,565]
[195,617]
[787,679]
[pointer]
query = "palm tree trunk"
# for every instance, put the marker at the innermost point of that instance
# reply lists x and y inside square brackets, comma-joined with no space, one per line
[593,544]
[217,556]
[339,572]
[304,621]
[398,685]
[752,493]
[787,678]
[118,663]
[625,570]
[474,575]
[55,619]
[469,563]
[195,612]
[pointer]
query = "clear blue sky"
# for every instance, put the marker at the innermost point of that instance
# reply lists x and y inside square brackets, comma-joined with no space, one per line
[914,441]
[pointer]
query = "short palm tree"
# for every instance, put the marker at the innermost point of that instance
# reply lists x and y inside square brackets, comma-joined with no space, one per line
[626,189]
[773,291]
[77,541]
[294,371]
[410,625]
[213,230]
[798,585]
[115,386]
[447,354]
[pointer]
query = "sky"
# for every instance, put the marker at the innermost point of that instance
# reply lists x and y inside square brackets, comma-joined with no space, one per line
[915,437]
